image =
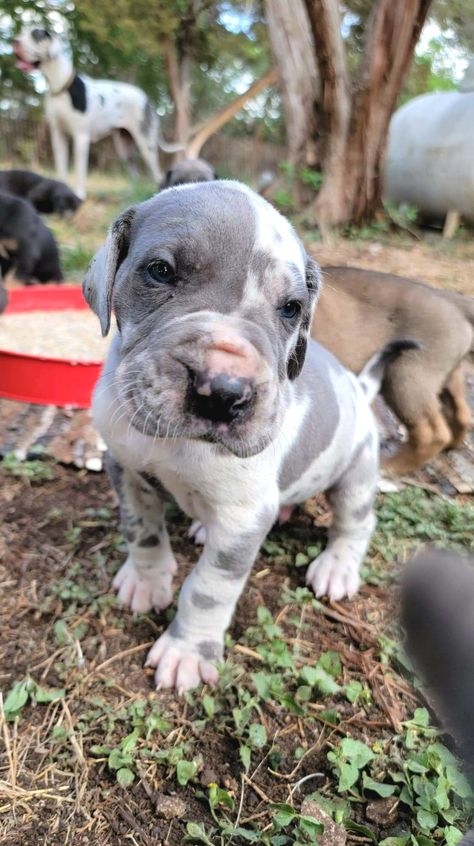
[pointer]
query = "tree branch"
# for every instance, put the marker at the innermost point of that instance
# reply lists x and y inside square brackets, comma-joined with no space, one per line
[200,134]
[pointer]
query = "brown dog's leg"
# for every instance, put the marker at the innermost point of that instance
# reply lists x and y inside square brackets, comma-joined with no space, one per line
[428,436]
[455,407]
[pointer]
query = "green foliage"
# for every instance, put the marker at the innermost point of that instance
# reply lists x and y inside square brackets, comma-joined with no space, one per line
[417,769]
[413,515]
[75,258]
[34,471]
[24,691]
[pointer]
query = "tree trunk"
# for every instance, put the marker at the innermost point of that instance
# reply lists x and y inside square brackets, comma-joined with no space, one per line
[203,131]
[334,107]
[293,50]
[180,78]
[356,127]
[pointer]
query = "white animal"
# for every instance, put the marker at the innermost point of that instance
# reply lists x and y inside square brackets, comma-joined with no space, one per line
[87,110]
[430,155]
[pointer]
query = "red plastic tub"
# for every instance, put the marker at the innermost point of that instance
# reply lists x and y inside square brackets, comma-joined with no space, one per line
[40,379]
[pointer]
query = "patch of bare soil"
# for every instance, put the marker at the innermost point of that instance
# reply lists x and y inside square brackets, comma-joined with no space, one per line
[444,264]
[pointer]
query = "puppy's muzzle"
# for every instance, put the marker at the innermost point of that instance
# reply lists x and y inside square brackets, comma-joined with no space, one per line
[223,391]
[221,399]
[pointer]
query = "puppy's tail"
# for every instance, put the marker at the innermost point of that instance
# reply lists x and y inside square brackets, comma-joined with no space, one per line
[438,618]
[372,375]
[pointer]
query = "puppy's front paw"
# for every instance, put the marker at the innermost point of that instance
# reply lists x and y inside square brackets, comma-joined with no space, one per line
[179,664]
[140,593]
[197,532]
[331,576]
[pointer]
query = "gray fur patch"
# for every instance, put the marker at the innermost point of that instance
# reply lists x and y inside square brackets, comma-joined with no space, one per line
[114,470]
[363,511]
[322,417]
[234,562]
[261,263]
[202,600]
[211,650]
[175,629]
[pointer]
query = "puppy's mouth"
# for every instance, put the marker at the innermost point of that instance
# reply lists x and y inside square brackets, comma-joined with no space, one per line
[24,64]
[232,436]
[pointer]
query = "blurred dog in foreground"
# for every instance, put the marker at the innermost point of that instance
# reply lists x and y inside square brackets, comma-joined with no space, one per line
[438,617]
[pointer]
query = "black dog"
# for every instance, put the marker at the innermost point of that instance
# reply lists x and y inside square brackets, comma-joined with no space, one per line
[26,245]
[46,195]
[438,617]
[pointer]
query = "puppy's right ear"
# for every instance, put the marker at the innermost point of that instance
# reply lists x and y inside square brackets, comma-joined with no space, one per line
[100,276]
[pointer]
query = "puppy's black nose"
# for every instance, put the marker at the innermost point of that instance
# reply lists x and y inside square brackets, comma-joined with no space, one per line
[220,399]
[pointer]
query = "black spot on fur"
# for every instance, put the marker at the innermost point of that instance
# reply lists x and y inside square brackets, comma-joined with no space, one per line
[297,356]
[158,487]
[77,93]
[149,541]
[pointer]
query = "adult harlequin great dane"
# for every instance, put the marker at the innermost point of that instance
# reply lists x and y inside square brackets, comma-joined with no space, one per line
[87,110]
[213,394]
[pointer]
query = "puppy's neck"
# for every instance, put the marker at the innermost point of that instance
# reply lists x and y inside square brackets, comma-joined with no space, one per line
[58,72]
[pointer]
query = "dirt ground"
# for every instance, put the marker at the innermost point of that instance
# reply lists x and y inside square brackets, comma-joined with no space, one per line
[441,263]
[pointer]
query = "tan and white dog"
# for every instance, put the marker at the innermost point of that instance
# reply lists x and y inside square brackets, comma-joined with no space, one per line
[87,110]
[214,395]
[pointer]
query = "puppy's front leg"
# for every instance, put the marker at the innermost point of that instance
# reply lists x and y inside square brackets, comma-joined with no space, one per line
[335,572]
[187,653]
[145,580]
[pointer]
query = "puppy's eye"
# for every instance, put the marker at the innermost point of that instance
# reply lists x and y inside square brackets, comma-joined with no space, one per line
[290,310]
[161,271]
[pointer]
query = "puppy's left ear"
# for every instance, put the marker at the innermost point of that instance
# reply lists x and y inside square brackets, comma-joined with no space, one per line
[298,353]
[100,277]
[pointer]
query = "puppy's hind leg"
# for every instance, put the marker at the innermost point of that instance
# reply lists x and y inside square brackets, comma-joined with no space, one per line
[335,572]
[455,407]
[124,147]
[426,438]
[148,147]
[145,580]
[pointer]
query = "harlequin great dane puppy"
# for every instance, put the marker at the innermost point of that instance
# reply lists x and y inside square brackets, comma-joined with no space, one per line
[213,394]
[87,110]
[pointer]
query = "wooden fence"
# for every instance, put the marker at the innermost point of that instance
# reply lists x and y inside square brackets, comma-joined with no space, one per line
[25,143]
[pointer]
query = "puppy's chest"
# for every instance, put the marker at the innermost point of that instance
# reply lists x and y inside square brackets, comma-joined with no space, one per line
[202,482]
